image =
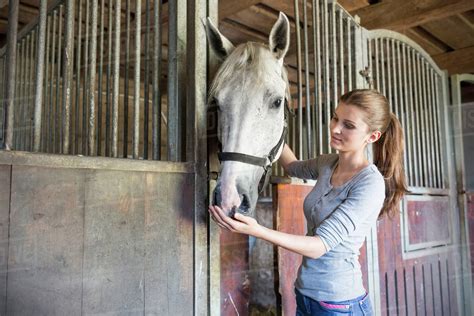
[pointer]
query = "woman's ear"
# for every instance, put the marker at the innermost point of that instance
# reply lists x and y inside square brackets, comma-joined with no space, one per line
[221,46]
[374,136]
[280,37]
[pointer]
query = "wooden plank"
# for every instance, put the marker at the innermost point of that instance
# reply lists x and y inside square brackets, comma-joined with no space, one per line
[114,251]
[4,225]
[46,241]
[228,7]
[352,5]
[431,44]
[437,291]
[400,15]
[168,280]
[457,62]
[429,298]
[410,304]
[454,31]
[419,288]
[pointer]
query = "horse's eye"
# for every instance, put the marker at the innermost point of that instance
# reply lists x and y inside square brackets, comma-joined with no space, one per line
[276,103]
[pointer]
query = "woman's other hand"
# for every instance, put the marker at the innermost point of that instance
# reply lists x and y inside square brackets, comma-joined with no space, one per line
[238,224]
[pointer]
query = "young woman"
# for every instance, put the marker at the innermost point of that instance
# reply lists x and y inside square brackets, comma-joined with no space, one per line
[349,195]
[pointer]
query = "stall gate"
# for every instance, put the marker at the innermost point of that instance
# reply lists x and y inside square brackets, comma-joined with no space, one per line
[411,263]
[103,180]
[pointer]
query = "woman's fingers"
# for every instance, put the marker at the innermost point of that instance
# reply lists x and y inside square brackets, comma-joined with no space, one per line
[218,216]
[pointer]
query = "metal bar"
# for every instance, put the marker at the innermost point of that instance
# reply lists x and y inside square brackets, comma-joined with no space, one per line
[12,32]
[93,66]
[116,76]
[393,73]
[136,93]
[437,130]
[300,79]
[101,77]
[429,121]
[317,127]
[411,83]
[405,117]
[57,143]
[51,88]
[78,78]
[45,121]
[29,134]
[349,53]
[126,79]
[40,75]
[85,92]
[327,100]
[67,73]
[390,74]
[418,119]
[342,88]
[335,92]
[20,94]
[146,80]
[307,87]
[107,88]
[439,133]
[383,49]
[421,115]
[377,78]
[426,134]
[156,138]
[2,96]
[176,84]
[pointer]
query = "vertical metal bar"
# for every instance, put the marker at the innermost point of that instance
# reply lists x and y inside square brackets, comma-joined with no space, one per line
[390,74]
[31,97]
[300,79]
[431,131]
[424,118]
[47,81]
[126,79]
[116,76]
[412,101]
[12,32]
[85,93]
[437,130]
[317,127]
[92,79]
[176,88]
[439,133]
[17,96]
[327,99]
[2,96]
[57,120]
[146,80]
[136,93]
[21,94]
[349,53]
[107,88]
[419,153]
[54,56]
[406,114]
[383,48]
[377,71]
[156,138]
[335,92]
[393,73]
[309,144]
[78,78]
[67,73]
[342,88]
[101,77]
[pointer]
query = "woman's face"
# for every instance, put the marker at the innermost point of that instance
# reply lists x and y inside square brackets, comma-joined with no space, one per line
[349,132]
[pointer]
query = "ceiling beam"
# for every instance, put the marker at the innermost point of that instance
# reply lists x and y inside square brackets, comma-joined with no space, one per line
[457,62]
[401,15]
[352,5]
[229,7]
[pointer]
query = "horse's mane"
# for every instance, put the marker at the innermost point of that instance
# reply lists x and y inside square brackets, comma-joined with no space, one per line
[248,57]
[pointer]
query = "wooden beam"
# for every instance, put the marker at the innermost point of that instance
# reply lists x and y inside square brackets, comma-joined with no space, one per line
[400,15]
[229,7]
[457,62]
[352,5]
[429,43]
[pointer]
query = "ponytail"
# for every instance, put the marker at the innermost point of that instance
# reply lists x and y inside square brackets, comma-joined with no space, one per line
[388,150]
[388,157]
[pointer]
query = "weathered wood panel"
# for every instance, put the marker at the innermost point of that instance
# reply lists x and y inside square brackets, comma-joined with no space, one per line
[4,223]
[46,241]
[91,241]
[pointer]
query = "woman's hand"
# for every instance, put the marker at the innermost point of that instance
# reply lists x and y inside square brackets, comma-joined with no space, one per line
[239,224]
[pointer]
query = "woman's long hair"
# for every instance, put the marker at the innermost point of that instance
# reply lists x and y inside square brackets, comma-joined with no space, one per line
[388,150]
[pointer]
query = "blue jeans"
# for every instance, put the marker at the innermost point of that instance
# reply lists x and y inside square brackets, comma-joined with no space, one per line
[306,306]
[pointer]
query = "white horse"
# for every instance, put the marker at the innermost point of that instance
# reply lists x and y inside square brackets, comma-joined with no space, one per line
[250,90]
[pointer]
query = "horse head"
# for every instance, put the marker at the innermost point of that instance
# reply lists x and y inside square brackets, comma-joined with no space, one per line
[250,91]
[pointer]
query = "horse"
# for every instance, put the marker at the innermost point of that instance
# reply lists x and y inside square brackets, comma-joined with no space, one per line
[250,91]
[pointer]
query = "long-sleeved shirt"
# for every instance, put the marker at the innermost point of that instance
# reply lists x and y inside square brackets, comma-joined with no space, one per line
[342,217]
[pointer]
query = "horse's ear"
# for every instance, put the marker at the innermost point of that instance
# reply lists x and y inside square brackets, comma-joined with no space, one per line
[280,36]
[219,43]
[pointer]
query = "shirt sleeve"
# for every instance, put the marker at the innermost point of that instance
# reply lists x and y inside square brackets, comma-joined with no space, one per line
[309,169]
[363,203]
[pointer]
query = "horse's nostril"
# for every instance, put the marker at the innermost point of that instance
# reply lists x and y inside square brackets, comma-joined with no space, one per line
[217,196]
[245,204]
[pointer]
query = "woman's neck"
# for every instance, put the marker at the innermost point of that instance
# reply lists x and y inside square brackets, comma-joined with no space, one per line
[352,161]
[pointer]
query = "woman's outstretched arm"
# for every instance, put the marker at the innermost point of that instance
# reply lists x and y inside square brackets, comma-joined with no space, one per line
[287,157]
[308,246]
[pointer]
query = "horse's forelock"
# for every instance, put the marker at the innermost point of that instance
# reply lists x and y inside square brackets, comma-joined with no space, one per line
[248,57]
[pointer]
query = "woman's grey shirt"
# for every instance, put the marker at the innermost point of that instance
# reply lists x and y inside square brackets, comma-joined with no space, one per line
[342,217]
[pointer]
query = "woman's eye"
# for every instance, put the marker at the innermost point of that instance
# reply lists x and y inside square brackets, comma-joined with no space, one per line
[276,103]
[349,126]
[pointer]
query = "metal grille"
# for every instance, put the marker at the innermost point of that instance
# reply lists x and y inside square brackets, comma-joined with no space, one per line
[107,80]
[412,83]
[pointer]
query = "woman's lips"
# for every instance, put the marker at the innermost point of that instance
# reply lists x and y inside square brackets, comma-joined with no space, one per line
[336,139]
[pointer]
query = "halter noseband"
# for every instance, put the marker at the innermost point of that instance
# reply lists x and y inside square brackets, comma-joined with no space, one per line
[265,162]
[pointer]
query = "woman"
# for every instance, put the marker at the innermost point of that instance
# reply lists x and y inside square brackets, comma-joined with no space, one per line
[346,201]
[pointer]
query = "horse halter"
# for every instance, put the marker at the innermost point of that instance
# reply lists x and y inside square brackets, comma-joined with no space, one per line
[266,161]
